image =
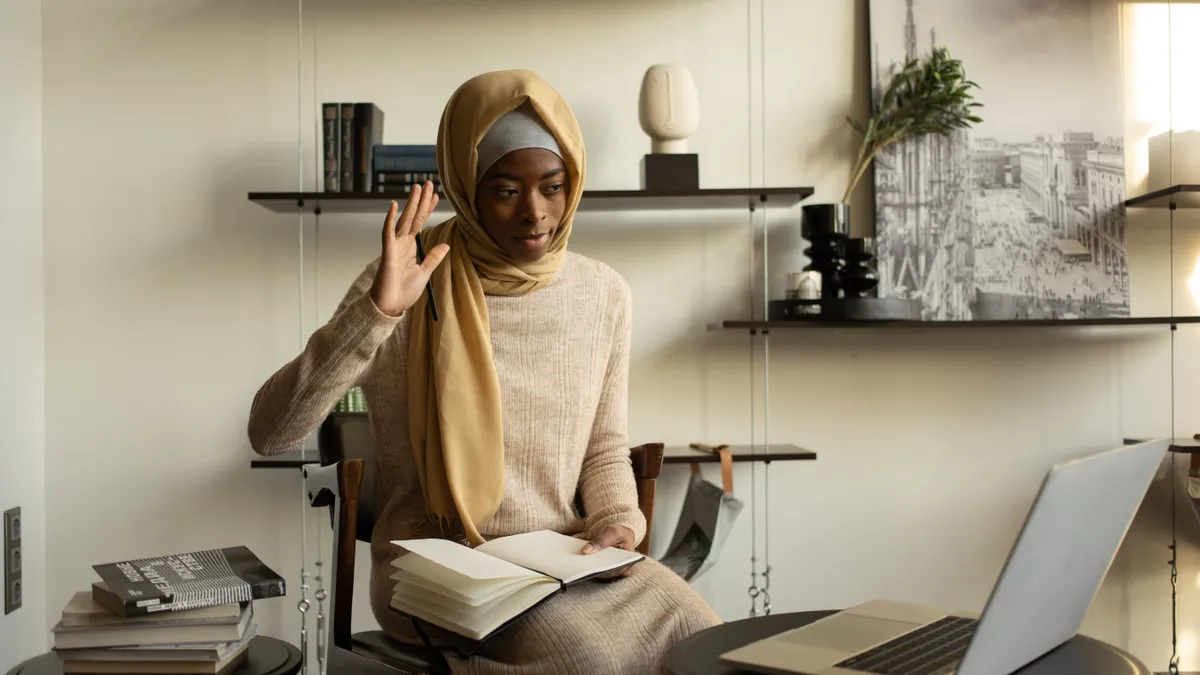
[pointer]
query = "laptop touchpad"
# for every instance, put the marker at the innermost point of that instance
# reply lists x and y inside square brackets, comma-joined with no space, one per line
[848,632]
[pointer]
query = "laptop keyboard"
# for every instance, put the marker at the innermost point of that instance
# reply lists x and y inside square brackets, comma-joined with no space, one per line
[933,649]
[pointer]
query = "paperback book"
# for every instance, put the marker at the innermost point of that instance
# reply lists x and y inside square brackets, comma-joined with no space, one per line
[186,581]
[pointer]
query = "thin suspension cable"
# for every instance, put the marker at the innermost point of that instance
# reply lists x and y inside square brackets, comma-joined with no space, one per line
[318,184]
[762,111]
[1173,664]
[302,606]
[753,591]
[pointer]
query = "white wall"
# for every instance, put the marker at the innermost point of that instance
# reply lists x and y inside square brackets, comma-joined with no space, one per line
[22,329]
[174,297]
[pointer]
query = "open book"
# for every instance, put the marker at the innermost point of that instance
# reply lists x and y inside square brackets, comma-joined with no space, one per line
[475,592]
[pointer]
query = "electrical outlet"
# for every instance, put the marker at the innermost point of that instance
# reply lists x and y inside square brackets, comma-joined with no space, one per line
[12,560]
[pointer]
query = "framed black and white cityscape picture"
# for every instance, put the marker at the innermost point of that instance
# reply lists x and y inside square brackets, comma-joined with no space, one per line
[1020,216]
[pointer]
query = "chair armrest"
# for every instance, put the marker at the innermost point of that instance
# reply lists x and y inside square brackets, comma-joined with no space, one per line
[326,485]
[647,460]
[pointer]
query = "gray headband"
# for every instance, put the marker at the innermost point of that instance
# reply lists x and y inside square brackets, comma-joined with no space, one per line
[519,129]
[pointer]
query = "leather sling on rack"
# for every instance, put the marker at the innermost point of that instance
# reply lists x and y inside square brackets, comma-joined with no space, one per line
[726,457]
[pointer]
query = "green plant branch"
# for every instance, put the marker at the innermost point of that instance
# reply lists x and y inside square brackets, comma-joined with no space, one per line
[932,96]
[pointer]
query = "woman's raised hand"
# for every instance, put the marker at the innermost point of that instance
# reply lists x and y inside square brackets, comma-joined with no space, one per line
[401,279]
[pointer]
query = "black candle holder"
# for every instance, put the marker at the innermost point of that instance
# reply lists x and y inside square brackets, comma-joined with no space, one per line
[826,227]
[857,277]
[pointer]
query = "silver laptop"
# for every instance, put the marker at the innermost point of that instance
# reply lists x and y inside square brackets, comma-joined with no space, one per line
[1069,538]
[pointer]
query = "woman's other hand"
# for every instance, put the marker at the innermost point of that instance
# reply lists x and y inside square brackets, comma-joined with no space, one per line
[400,279]
[616,536]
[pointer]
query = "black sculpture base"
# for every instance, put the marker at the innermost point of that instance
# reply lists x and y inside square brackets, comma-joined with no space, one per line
[845,309]
[671,173]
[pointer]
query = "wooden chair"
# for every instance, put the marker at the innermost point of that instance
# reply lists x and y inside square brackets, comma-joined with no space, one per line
[345,482]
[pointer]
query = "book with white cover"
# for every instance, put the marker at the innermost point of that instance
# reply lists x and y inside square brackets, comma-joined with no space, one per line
[151,634]
[475,592]
[84,611]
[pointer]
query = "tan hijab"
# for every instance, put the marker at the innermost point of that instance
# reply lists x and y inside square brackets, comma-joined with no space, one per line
[455,421]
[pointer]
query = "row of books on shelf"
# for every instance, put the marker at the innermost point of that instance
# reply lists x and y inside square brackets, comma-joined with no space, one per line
[352,401]
[355,159]
[183,614]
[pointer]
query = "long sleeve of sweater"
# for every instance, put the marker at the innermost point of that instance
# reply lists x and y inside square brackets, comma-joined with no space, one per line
[606,480]
[294,401]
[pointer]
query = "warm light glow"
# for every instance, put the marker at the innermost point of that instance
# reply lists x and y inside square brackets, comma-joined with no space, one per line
[1185,52]
[1149,61]
[1187,641]
[1193,282]
[1160,46]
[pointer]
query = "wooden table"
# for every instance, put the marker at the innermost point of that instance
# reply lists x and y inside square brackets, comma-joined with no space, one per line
[699,654]
[268,656]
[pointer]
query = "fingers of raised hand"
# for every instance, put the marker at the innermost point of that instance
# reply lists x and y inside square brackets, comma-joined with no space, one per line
[429,200]
[421,202]
[389,223]
[434,257]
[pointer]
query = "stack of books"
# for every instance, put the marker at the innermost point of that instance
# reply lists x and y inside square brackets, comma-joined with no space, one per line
[186,613]
[355,158]
[395,169]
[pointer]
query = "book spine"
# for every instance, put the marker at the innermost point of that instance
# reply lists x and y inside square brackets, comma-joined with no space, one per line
[368,133]
[406,150]
[402,182]
[397,163]
[331,118]
[346,143]
[261,591]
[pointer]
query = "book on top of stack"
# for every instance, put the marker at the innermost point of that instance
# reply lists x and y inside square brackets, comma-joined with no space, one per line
[186,613]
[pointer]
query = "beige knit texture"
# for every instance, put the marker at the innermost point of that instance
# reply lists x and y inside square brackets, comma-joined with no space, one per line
[562,358]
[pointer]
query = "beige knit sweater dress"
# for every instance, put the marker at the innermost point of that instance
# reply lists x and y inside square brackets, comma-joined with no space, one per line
[562,357]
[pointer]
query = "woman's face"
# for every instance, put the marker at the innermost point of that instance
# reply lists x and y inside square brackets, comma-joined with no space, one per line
[521,201]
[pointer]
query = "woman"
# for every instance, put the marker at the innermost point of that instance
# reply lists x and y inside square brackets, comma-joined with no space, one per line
[488,418]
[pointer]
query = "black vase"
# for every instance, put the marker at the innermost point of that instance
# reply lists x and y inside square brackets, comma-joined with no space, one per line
[857,277]
[826,227]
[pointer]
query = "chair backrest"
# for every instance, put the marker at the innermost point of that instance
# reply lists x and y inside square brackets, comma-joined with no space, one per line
[348,435]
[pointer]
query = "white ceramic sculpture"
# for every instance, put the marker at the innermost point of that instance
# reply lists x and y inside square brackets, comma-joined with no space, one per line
[669,107]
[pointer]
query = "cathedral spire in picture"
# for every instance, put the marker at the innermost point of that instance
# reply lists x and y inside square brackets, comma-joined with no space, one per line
[910,33]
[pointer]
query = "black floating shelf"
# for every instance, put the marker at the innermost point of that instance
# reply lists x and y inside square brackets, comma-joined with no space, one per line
[1176,196]
[671,455]
[1183,446]
[286,460]
[593,200]
[1188,446]
[987,323]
